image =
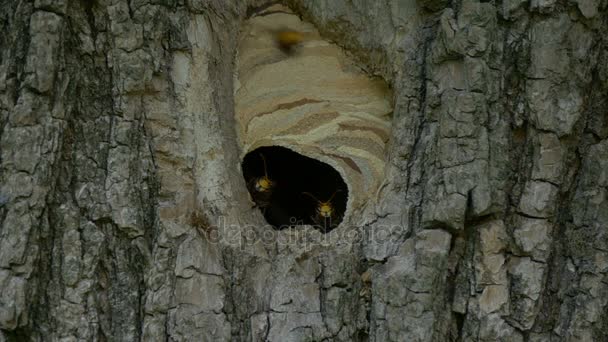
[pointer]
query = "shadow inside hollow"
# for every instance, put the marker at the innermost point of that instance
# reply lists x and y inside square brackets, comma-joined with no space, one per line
[293,175]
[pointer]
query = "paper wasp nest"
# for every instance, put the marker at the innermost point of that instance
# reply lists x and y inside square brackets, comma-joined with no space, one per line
[312,100]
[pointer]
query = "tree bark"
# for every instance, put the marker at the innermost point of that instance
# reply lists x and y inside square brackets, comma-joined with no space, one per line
[124,215]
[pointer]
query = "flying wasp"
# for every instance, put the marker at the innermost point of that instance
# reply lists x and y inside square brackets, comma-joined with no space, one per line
[288,40]
[326,214]
[261,188]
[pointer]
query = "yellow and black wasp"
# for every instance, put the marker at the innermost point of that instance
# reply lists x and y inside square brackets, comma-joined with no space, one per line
[326,215]
[288,40]
[261,188]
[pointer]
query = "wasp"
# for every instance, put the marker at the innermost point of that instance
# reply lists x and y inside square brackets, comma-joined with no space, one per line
[261,188]
[326,214]
[288,40]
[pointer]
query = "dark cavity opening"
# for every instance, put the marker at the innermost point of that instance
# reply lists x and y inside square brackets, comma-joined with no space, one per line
[301,190]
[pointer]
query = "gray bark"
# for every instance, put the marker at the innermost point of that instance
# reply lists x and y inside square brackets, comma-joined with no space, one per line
[124,215]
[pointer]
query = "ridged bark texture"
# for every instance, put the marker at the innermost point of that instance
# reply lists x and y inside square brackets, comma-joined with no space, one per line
[124,216]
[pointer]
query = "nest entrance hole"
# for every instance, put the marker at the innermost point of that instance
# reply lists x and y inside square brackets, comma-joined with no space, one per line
[296,179]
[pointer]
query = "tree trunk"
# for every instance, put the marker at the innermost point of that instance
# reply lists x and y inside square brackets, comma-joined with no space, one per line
[124,214]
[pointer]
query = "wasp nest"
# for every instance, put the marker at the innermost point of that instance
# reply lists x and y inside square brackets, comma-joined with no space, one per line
[313,101]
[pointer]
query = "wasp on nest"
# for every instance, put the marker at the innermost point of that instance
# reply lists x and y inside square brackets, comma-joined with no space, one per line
[261,188]
[326,215]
